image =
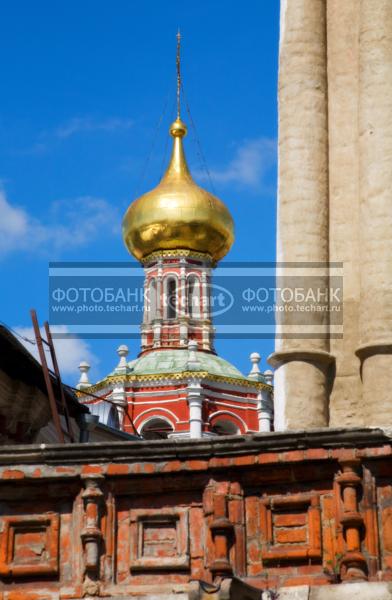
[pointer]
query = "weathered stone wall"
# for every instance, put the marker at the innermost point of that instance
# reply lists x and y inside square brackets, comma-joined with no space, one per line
[151,519]
[334,203]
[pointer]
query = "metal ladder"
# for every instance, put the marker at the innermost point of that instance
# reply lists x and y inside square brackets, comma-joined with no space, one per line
[61,432]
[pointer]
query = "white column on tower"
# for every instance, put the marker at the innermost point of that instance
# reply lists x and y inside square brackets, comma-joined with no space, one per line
[264,410]
[118,395]
[182,308]
[194,394]
[145,322]
[157,323]
[159,291]
[195,402]
[182,290]
[147,300]
[205,294]
[204,312]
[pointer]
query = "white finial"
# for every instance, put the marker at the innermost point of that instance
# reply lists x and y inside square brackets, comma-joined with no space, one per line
[84,368]
[255,370]
[122,351]
[193,361]
[268,376]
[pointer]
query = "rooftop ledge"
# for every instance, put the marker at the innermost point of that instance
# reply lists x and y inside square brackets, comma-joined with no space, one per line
[327,439]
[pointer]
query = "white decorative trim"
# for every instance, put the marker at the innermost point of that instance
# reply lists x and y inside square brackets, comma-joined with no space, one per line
[239,406]
[151,410]
[186,434]
[229,386]
[169,401]
[160,393]
[226,398]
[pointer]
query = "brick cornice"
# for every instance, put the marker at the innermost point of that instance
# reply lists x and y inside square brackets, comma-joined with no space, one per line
[289,443]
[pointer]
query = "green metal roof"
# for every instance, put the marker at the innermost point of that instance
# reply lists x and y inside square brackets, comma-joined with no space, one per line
[176,361]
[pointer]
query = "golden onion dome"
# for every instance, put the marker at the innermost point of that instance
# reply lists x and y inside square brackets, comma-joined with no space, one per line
[178,214]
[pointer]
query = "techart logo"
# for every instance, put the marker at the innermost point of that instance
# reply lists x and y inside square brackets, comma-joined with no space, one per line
[214,300]
[221,300]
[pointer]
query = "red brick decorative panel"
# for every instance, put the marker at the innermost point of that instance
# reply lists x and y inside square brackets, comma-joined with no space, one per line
[385,507]
[291,528]
[29,545]
[159,539]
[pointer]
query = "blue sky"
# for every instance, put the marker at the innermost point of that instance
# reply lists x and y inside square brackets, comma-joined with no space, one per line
[84,85]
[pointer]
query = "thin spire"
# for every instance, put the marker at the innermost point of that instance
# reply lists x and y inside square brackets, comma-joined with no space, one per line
[178,62]
[178,168]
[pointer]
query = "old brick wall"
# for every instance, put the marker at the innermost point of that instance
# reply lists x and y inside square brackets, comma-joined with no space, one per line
[124,519]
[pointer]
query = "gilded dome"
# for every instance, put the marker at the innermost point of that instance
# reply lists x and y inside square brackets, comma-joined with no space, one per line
[178,214]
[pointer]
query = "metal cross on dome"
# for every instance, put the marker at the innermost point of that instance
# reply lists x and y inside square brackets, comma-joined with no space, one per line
[178,63]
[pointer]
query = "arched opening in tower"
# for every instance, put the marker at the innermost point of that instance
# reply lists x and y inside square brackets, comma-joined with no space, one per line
[194,297]
[225,427]
[171,298]
[156,429]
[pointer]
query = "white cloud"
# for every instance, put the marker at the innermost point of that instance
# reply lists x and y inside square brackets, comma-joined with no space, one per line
[13,224]
[88,124]
[249,165]
[69,351]
[69,224]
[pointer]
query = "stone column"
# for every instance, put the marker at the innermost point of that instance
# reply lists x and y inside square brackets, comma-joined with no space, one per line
[302,365]
[343,84]
[375,149]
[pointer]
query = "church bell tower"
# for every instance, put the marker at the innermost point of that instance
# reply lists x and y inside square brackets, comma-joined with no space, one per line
[178,231]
